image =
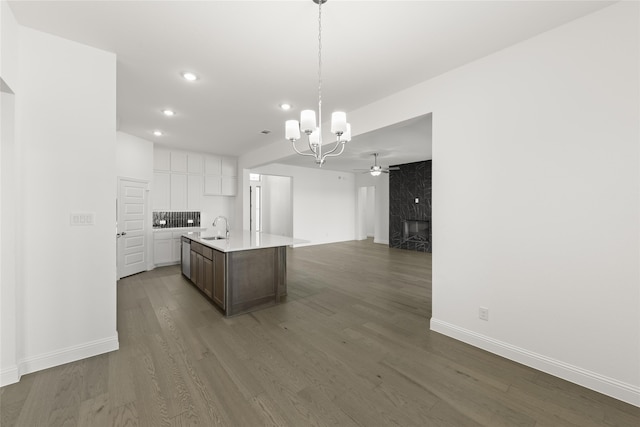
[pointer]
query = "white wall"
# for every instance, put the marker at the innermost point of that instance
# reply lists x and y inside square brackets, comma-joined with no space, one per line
[134,157]
[323,202]
[8,46]
[381,208]
[10,200]
[213,206]
[277,205]
[9,248]
[370,213]
[65,128]
[536,199]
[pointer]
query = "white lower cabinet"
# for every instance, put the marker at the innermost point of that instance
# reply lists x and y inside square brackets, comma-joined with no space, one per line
[162,247]
[167,247]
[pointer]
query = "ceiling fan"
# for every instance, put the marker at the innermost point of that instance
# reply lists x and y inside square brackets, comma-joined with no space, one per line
[376,169]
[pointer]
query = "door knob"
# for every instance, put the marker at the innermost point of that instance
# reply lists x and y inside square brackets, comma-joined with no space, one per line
[124,233]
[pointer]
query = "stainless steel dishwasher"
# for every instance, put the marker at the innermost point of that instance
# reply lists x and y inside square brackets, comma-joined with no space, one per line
[186,257]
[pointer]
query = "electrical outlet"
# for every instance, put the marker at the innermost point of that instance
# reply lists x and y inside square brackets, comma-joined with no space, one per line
[417,200]
[483,313]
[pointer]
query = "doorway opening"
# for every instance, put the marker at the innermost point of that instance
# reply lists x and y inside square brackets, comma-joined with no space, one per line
[271,204]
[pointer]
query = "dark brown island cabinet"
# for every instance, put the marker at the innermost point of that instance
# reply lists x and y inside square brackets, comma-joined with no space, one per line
[239,281]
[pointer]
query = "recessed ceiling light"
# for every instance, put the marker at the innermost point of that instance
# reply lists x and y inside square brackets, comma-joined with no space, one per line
[168,112]
[187,75]
[285,106]
[157,133]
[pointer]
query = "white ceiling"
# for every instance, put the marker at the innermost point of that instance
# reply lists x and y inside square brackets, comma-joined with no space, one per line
[253,55]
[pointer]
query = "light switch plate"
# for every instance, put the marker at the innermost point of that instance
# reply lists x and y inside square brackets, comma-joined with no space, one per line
[82,218]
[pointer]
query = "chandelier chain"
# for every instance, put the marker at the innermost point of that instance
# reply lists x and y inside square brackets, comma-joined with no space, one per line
[320,72]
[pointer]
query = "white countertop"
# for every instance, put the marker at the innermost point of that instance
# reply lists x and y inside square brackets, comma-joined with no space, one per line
[242,240]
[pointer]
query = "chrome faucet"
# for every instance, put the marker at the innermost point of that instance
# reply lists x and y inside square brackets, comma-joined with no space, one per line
[226,222]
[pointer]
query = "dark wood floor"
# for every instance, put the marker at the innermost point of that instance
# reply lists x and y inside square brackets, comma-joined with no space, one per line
[350,347]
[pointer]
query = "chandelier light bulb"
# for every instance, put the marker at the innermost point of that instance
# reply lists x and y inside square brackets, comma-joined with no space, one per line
[346,136]
[314,138]
[308,121]
[338,122]
[292,130]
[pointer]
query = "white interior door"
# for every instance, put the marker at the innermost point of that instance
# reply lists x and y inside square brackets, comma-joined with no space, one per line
[131,227]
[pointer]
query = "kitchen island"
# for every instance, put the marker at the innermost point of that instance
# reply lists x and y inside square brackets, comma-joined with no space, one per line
[244,272]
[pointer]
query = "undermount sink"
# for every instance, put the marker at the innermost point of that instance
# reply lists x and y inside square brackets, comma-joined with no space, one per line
[213,238]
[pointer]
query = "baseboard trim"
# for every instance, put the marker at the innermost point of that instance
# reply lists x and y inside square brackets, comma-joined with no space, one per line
[9,376]
[381,241]
[67,355]
[611,387]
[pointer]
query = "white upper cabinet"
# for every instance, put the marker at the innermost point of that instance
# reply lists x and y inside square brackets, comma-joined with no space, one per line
[178,192]
[161,159]
[212,165]
[195,191]
[228,166]
[220,176]
[213,185]
[161,191]
[178,162]
[195,163]
[183,178]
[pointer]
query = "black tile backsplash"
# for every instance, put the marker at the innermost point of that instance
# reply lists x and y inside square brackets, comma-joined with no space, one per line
[176,219]
[410,222]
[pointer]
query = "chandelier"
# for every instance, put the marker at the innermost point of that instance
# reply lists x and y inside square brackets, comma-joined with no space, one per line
[339,126]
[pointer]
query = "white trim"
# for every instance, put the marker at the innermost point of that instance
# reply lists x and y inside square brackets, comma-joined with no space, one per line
[381,241]
[68,355]
[611,387]
[9,376]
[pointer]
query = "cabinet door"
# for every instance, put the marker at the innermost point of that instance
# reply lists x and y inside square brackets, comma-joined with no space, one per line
[219,285]
[161,160]
[212,185]
[178,192]
[212,165]
[194,192]
[177,249]
[178,162]
[195,163]
[228,166]
[194,267]
[162,251]
[200,267]
[228,186]
[161,192]
[207,283]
